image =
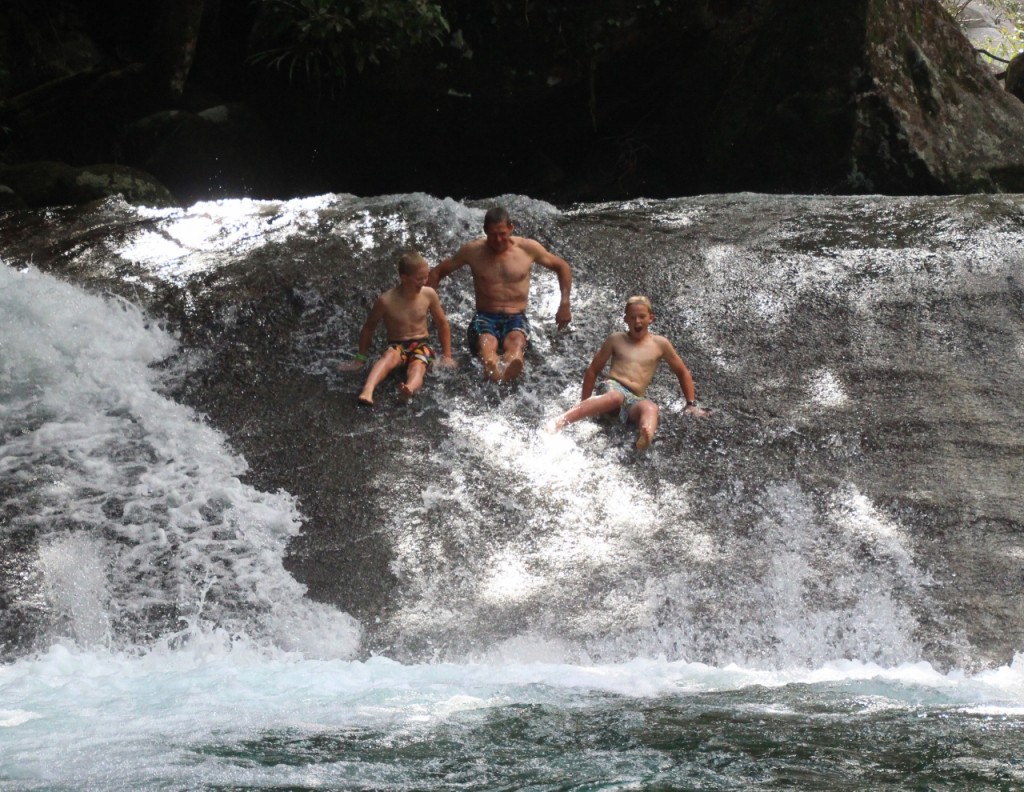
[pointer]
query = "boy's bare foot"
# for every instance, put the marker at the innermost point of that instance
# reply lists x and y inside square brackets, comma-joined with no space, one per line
[405,392]
[512,370]
[364,401]
[643,439]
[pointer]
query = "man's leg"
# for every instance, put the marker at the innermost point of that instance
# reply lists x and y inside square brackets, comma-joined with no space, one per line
[385,365]
[645,414]
[610,402]
[513,350]
[487,351]
[414,373]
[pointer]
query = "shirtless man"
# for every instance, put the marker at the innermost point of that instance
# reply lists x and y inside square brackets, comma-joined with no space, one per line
[404,310]
[501,265]
[635,355]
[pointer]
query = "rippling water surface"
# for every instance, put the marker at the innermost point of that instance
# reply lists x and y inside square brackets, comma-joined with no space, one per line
[218,573]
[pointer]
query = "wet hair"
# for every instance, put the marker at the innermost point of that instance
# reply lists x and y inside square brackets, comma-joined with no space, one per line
[410,262]
[496,215]
[639,299]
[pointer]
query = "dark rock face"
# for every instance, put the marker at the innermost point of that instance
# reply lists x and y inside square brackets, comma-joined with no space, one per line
[601,101]
[222,150]
[845,97]
[44,183]
[1014,78]
[954,122]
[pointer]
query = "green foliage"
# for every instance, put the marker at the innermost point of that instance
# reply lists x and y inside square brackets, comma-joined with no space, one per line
[1010,21]
[320,40]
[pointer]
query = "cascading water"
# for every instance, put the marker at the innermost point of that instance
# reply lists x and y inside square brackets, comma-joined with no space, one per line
[217,571]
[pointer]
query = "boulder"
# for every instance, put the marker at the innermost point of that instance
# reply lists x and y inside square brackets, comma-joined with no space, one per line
[48,183]
[10,200]
[222,151]
[1014,78]
[861,96]
[800,96]
[92,182]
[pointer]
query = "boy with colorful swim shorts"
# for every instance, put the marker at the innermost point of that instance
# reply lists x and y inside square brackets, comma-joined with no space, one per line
[404,310]
[634,356]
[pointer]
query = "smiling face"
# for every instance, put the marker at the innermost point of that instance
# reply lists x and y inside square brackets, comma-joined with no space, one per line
[415,278]
[638,318]
[499,236]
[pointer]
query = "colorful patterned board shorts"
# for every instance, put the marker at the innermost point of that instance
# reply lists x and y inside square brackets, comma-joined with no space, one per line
[414,349]
[628,397]
[498,325]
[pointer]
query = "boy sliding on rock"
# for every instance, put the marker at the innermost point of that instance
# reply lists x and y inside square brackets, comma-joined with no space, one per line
[404,310]
[635,355]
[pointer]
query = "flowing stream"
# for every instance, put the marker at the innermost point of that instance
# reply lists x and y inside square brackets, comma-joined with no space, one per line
[217,572]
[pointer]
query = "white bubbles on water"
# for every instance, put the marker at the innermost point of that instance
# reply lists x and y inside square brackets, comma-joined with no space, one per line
[75,581]
[142,523]
[826,390]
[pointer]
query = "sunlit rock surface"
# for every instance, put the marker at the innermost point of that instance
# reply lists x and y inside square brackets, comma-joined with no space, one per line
[857,493]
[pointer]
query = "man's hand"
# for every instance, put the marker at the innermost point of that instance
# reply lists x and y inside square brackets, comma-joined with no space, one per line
[563,316]
[697,412]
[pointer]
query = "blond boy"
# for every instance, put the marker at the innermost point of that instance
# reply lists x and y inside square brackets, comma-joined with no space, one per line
[404,310]
[634,356]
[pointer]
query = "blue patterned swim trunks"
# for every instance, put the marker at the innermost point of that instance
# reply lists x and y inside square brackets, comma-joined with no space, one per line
[628,397]
[498,325]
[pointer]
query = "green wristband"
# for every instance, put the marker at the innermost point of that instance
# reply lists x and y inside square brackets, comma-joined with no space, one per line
[360,357]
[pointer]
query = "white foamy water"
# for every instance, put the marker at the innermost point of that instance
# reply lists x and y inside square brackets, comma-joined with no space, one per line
[136,505]
[572,548]
[226,713]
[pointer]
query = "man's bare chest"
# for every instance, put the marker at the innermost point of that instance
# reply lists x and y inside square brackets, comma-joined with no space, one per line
[503,269]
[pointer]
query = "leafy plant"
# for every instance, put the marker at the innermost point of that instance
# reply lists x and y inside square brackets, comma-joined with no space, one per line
[321,39]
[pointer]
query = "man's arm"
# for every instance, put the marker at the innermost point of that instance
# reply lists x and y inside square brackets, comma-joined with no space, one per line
[561,268]
[444,330]
[596,366]
[446,268]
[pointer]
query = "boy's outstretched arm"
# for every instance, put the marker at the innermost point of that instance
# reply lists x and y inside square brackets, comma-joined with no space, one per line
[678,367]
[365,338]
[366,333]
[444,330]
[596,366]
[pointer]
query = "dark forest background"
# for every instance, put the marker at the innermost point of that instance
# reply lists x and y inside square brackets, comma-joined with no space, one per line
[178,100]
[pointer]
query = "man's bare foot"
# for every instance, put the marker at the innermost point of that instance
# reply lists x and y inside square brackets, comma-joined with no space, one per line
[492,370]
[405,392]
[644,438]
[554,426]
[512,369]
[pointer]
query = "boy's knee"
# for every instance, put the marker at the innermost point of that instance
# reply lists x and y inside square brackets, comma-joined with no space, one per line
[645,410]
